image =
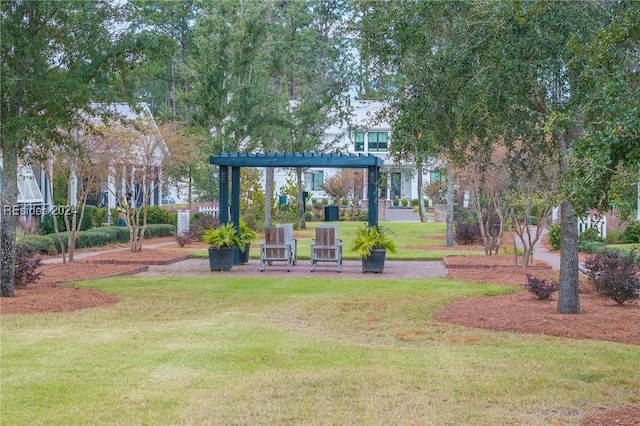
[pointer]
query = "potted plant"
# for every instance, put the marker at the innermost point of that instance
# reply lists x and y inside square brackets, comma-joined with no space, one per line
[371,244]
[247,236]
[222,242]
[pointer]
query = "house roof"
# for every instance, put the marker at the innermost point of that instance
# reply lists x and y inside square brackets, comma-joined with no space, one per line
[294,159]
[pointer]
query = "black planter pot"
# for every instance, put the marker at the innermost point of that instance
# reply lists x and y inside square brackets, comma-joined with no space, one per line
[375,262]
[244,255]
[221,259]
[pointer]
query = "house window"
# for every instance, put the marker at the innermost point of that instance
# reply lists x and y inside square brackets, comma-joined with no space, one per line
[378,142]
[436,176]
[359,142]
[317,179]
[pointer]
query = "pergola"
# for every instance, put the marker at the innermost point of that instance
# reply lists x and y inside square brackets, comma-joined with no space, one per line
[230,164]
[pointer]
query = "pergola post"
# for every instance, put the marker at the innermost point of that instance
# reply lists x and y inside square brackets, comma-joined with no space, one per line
[224,194]
[373,176]
[235,206]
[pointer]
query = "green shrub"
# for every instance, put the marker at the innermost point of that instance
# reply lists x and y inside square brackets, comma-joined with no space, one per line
[404,202]
[40,244]
[99,216]
[396,203]
[631,234]
[92,239]
[116,234]
[159,230]
[426,203]
[156,215]
[589,246]
[614,275]
[555,236]
[591,234]
[46,224]
[414,202]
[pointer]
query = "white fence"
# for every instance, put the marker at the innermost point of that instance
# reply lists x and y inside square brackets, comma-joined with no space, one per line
[215,211]
[597,222]
[584,223]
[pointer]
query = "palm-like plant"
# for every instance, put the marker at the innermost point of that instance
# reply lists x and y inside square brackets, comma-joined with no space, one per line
[369,238]
[223,236]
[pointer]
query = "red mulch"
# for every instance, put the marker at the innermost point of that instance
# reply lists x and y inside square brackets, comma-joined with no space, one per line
[522,312]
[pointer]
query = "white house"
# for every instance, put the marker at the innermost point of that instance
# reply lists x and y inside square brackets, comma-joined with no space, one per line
[366,134]
[148,148]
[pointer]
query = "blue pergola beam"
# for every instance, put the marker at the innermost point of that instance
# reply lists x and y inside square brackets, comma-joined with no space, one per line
[278,159]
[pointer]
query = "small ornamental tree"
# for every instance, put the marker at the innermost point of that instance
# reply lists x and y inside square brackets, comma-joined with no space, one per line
[614,275]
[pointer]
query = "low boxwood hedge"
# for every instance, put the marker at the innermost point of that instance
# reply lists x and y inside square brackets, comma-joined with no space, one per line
[97,237]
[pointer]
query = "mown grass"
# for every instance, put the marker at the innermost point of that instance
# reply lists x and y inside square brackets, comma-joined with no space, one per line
[228,350]
[414,240]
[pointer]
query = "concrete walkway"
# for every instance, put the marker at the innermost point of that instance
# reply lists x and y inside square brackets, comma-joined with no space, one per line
[400,215]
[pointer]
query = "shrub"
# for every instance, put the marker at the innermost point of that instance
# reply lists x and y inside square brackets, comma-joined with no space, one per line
[46,224]
[156,214]
[158,230]
[426,203]
[467,233]
[591,234]
[543,288]
[116,234]
[396,203]
[631,234]
[614,275]
[27,265]
[591,247]
[414,202]
[99,216]
[201,222]
[27,262]
[92,239]
[404,202]
[555,236]
[185,238]
[40,244]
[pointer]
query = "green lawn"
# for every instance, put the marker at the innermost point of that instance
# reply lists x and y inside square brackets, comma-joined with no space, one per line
[410,237]
[227,350]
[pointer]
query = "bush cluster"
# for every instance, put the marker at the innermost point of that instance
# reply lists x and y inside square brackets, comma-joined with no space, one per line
[543,288]
[46,224]
[631,234]
[96,237]
[467,233]
[27,264]
[156,215]
[200,222]
[555,236]
[614,275]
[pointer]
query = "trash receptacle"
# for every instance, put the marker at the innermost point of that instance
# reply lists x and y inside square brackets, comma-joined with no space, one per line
[331,214]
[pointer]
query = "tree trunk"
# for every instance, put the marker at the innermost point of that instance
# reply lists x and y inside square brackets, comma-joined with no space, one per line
[450,203]
[8,219]
[301,200]
[268,202]
[420,194]
[568,291]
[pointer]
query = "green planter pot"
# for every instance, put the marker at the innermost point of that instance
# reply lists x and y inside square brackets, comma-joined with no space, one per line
[375,262]
[244,255]
[221,259]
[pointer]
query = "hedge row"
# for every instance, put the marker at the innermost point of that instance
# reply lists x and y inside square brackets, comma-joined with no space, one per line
[96,237]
